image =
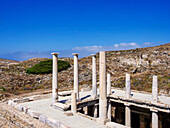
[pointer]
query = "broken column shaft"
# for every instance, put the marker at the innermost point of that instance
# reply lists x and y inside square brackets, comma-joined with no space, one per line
[127,106]
[55,78]
[155,88]
[127,116]
[108,84]
[109,107]
[76,82]
[95,111]
[127,86]
[94,75]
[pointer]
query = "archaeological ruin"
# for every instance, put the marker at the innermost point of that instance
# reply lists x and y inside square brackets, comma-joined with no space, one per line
[100,106]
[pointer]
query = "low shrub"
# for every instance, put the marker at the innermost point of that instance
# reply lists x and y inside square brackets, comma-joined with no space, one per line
[45,67]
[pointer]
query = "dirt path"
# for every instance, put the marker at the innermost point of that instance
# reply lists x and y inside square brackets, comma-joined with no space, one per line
[12,118]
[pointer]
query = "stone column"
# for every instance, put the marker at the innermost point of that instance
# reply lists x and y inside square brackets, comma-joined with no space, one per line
[109,107]
[142,121]
[76,82]
[154,119]
[108,84]
[95,111]
[140,61]
[127,115]
[155,89]
[128,88]
[109,110]
[103,89]
[94,77]
[85,109]
[114,112]
[73,102]
[55,78]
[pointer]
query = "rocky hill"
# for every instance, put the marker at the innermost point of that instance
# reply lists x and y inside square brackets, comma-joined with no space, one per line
[142,63]
[6,61]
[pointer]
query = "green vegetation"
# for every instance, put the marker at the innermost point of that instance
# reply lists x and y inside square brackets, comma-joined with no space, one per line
[3,88]
[45,67]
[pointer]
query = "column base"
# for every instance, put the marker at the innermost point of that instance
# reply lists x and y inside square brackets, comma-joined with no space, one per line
[102,121]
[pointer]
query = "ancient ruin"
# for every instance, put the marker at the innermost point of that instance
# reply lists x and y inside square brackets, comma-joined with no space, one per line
[99,107]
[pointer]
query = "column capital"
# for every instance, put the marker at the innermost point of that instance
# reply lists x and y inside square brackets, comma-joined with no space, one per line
[75,54]
[93,55]
[54,53]
[127,104]
[153,110]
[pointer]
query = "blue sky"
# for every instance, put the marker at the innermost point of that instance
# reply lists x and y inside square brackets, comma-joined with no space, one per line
[35,28]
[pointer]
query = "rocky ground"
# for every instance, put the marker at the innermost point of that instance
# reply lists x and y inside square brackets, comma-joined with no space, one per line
[12,118]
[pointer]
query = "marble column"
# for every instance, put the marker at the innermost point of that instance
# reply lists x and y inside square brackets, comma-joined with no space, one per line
[55,78]
[154,119]
[73,102]
[113,112]
[155,89]
[108,84]
[109,107]
[128,87]
[76,82]
[94,77]
[95,111]
[85,109]
[127,115]
[103,89]
[109,110]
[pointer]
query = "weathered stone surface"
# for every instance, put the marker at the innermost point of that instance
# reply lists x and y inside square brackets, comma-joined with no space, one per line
[68,113]
[43,118]
[115,125]
[53,123]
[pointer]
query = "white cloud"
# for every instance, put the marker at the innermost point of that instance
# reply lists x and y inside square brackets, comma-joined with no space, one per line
[147,43]
[116,45]
[89,48]
[133,44]
[125,46]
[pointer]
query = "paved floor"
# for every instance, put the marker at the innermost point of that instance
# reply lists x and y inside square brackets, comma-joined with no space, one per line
[142,96]
[76,121]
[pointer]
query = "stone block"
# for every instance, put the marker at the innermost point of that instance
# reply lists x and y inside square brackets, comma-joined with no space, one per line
[115,125]
[25,110]
[68,113]
[53,123]
[36,97]
[9,102]
[43,118]
[19,107]
[33,114]
[64,126]
[102,121]
[61,106]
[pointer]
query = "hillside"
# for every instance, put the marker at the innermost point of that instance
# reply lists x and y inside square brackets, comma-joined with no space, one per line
[6,61]
[142,63]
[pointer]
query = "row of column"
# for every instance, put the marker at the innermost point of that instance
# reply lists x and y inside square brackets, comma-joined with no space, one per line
[154,100]
[55,77]
[104,105]
[76,83]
